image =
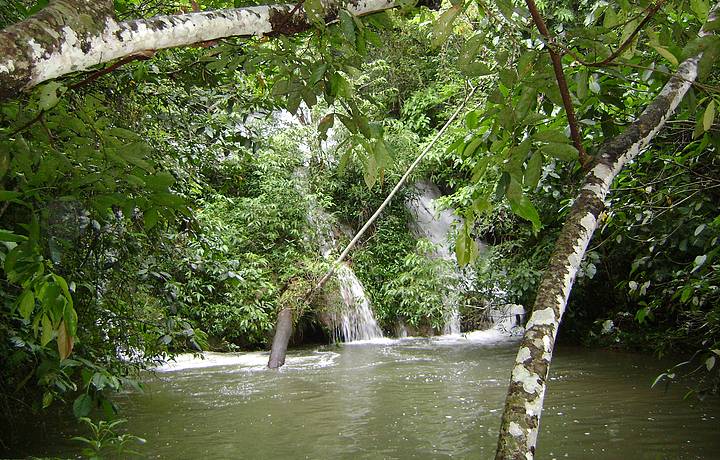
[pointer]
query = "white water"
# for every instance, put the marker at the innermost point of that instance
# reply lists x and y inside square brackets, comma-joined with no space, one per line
[436,225]
[355,321]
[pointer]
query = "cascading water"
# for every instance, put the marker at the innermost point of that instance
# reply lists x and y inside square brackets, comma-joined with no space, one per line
[435,225]
[354,319]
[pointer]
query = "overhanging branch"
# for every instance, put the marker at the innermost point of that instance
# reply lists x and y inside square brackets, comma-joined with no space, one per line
[74,35]
[561,81]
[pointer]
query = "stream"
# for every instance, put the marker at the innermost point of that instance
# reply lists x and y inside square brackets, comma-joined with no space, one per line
[407,398]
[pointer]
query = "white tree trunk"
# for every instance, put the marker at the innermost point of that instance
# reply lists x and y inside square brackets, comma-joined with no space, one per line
[523,406]
[73,35]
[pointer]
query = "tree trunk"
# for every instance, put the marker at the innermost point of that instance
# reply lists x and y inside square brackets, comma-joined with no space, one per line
[73,35]
[283,331]
[523,406]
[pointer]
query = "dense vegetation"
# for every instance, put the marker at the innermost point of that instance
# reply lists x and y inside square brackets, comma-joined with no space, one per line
[162,207]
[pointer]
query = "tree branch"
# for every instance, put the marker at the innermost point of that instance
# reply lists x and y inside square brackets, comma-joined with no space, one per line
[60,39]
[562,83]
[651,10]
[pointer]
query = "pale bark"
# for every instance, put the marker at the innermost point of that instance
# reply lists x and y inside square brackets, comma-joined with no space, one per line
[523,406]
[74,35]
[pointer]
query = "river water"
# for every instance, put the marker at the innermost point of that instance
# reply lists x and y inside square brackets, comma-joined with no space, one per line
[409,398]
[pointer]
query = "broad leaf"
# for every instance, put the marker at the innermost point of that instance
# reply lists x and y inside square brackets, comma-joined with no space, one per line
[564,152]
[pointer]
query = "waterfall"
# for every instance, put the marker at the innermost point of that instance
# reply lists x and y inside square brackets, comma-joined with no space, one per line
[435,225]
[354,319]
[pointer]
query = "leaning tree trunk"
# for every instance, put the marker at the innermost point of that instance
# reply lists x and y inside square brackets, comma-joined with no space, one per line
[72,35]
[283,331]
[523,406]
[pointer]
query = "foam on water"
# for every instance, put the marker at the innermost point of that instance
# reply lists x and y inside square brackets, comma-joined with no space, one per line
[249,361]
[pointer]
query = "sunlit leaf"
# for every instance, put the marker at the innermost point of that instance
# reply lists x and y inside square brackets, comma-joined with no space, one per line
[709,116]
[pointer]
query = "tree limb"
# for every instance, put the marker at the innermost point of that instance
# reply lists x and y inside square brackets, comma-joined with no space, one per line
[651,10]
[73,35]
[523,406]
[562,83]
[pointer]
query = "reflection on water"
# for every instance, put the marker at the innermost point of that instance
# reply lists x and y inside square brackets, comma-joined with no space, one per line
[409,398]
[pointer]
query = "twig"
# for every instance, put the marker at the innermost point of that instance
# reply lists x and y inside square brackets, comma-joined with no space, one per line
[142,56]
[650,13]
[562,83]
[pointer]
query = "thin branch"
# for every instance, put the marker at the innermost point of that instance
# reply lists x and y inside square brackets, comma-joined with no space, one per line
[562,83]
[390,196]
[651,10]
[94,76]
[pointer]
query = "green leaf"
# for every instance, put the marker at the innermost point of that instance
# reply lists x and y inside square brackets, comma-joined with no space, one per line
[160,181]
[370,173]
[60,281]
[526,63]
[151,218]
[315,12]
[82,405]
[469,51]
[459,142]
[465,248]
[551,135]
[71,319]
[533,170]
[481,205]
[47,330]
[477,69]
[664,52]
[6,235]
[701,8]
[9,195]
[48,96]
[508,77]
[47,399]
[318,73]
[472,146]
[26,304]
[709,116]
[563,152]
[348,122]
[710,363]
[506,8]
[521,205]
[527,99]
[479,170]
[581,79]
[347,25]
[324,125]
[471,119]
[443,25]
[610,19]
